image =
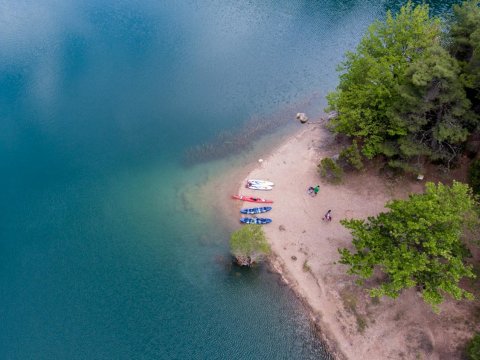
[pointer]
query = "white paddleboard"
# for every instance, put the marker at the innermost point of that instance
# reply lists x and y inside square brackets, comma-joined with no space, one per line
[260,182]
[259,187]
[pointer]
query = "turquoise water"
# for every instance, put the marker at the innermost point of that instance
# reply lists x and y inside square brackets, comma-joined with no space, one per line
[103,252]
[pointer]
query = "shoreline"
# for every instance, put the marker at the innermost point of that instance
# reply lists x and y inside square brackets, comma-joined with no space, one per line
[304,254]
[277,263]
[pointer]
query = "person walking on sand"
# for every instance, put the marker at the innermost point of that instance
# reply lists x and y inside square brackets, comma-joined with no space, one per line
[328,216]
[316,189]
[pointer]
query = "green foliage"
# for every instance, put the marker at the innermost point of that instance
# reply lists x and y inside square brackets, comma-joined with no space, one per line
[474,176]
[473,348]
[351,155]
[416,244]
[401,93]
[249,241]
[433,108]
[371,77]
[400,166]
[465,46]
[330,170]
[464,29]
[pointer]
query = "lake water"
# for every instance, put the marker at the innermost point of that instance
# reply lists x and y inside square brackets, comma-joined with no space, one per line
[104,253]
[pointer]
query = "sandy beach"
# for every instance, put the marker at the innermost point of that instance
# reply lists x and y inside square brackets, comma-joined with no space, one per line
[305,254]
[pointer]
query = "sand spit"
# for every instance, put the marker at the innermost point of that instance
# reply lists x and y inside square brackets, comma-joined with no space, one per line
[305,254]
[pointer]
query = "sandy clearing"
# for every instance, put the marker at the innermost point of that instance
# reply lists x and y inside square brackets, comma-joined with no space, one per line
[305,253]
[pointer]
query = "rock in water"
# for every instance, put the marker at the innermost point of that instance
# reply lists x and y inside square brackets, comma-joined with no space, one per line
[302,117]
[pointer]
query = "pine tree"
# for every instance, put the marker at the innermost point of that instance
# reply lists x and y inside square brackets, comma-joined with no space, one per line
[433,108]
[465,46]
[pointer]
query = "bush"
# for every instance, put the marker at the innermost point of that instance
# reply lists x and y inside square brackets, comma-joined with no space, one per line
[306,267]
[330,170]
[351,155]
[401,167]
[473,348]
[249,243]
[474,176]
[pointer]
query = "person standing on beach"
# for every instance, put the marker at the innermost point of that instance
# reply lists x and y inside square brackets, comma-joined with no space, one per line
[316,189]
[328,216]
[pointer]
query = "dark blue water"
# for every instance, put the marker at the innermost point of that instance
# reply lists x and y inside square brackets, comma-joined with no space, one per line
[102,255]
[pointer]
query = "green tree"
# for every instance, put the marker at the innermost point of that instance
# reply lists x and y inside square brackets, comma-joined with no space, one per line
[465,46]
[433,108]
[351,156]
[371,77]
[416,244]
[249,244]
[402,94]
[473,348]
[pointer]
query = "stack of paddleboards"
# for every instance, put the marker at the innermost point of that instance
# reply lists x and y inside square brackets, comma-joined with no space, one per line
[255,184]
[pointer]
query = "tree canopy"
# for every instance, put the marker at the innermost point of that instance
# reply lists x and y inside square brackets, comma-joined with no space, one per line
[415,244]
[433,109]
[401,94]
[473,348]
[465,46]
[249,244]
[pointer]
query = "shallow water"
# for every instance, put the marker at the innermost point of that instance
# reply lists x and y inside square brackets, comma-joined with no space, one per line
[104,252]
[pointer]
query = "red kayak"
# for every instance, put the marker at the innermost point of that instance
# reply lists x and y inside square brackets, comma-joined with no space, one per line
[251,199]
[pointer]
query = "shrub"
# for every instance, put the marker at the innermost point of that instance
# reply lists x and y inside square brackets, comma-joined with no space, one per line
[474,176]
[473,348]
[401,166]
[330,170]
[361,324]
[306,267]
[249,244]
[351,155]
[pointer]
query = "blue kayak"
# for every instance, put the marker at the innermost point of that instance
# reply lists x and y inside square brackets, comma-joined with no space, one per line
[259,221]
[256,210]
